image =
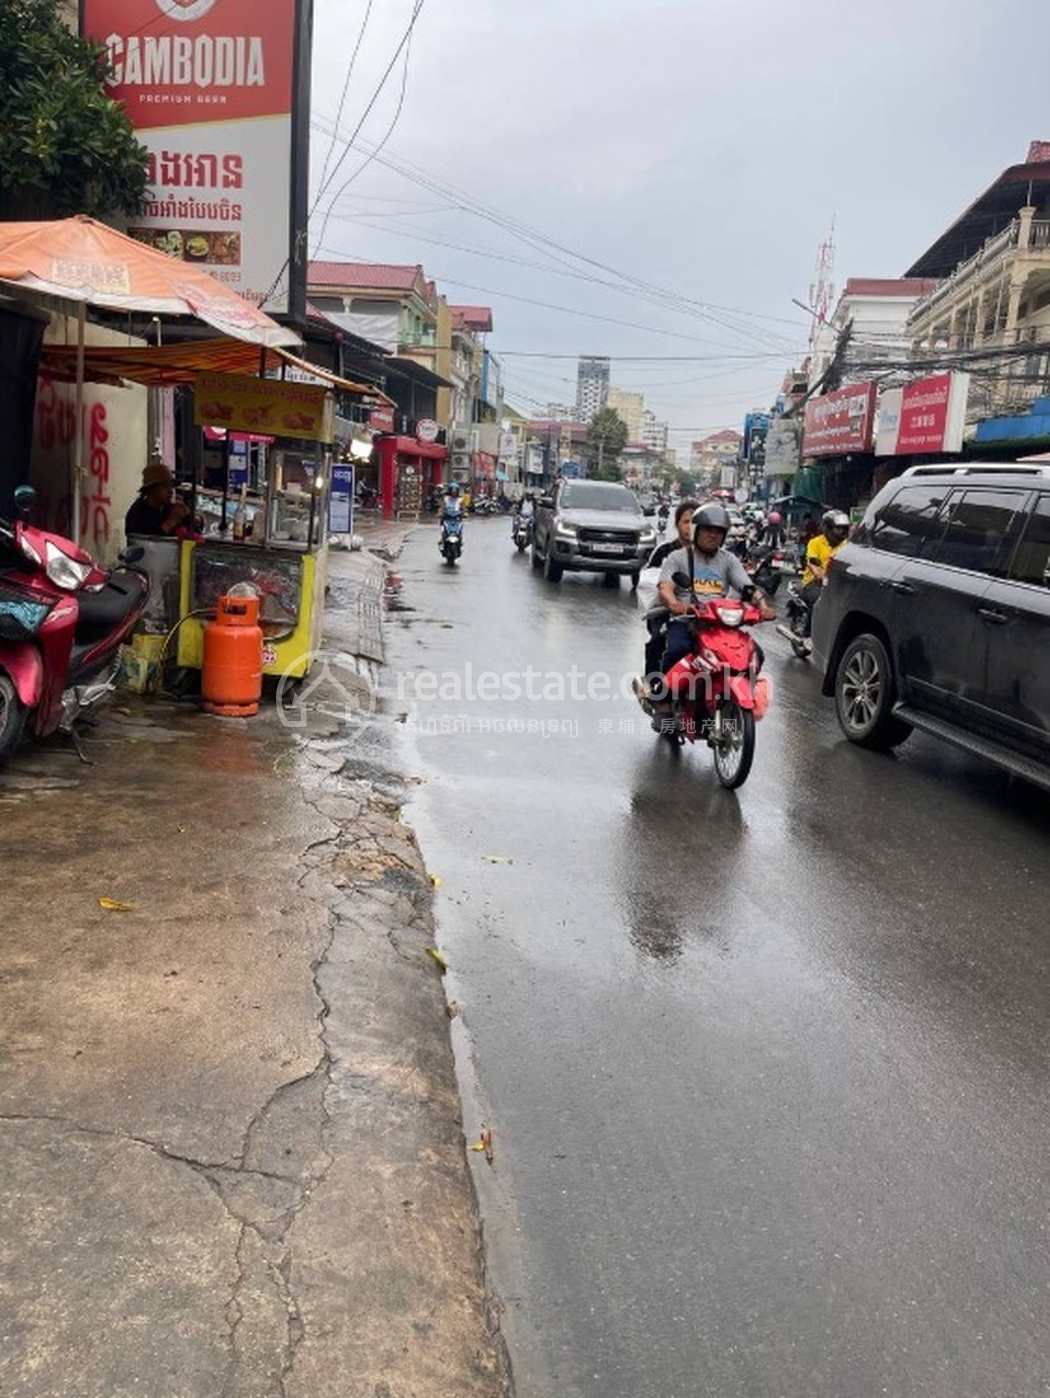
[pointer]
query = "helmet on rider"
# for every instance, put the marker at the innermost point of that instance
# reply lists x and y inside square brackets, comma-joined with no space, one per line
[773,518]
[453,488]
[835,524]
[710,516]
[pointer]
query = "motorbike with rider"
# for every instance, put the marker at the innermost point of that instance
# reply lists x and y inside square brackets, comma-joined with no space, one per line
[450,543]
[820,549]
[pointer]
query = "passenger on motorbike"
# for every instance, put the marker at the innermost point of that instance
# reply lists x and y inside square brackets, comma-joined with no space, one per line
[834,530]
[657,617]
[713,572]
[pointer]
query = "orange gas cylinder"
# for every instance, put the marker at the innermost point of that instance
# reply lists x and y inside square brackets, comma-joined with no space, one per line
[231,676]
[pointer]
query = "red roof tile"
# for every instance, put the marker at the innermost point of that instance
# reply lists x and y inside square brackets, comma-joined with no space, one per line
[372,276]
[889,286]
[471,317]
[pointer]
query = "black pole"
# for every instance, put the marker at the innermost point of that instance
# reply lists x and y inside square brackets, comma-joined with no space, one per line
[225,480]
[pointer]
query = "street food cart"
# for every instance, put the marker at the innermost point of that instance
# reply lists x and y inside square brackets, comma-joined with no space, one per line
[270,530]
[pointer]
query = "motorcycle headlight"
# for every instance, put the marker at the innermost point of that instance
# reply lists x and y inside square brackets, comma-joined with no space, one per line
[65,572]
[731,615]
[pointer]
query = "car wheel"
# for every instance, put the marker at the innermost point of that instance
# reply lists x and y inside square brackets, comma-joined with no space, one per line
[865,693]
[537,561]
[551,571]
[12,718]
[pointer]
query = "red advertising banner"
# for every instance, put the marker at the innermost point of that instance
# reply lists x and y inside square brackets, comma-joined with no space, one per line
[839,422]
[208,86]
[381,419]
[924,415]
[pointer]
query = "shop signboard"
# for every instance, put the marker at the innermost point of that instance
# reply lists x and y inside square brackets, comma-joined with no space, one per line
[218,93]
[782,443]
[427,430]
[924,417]
[341,499]
[381,419]
[840,422]
[244,404]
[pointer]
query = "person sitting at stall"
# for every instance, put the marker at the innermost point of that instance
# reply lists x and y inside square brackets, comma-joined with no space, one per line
[156,513]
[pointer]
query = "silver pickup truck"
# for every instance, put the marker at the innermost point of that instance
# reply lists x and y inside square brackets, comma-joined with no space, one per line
[591,527]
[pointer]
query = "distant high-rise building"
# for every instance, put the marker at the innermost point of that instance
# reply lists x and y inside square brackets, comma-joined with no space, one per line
[560,412]
[630,407]
[592,385]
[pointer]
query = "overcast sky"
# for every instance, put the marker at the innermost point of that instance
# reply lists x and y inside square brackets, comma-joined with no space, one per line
[702,147]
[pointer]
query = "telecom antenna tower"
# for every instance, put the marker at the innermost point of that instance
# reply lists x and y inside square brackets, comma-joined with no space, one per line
[822,290]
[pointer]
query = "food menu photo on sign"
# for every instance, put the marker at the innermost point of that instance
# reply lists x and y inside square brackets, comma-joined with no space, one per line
[214,91]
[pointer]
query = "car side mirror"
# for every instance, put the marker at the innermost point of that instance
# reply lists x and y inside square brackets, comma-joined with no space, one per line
[25,499]
[680,579]
[135,554]
[547,501]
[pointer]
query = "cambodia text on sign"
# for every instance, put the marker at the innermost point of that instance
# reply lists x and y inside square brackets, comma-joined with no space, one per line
[209,91]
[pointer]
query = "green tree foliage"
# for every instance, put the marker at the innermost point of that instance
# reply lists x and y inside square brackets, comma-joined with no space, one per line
[65,147]
[606,439]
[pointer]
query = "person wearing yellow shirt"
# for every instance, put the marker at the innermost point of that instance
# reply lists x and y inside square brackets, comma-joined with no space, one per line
[834,530]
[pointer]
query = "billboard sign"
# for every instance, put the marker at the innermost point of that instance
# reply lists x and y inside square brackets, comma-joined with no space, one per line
[925,417]
[782,446]
[840,422]
[215,90]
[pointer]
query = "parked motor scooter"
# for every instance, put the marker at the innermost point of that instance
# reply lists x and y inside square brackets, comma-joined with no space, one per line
[716,692]
[63,620]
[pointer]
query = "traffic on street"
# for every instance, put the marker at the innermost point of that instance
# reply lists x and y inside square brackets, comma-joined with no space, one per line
[765,1069]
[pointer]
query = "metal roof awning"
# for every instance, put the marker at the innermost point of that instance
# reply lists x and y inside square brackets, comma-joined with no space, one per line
[163,366]
[415,373]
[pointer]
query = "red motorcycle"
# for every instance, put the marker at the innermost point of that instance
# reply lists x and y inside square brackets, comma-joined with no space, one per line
[716,692]
[63,620]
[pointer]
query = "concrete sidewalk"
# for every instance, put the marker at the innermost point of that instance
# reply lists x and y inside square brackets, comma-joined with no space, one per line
[231,1150]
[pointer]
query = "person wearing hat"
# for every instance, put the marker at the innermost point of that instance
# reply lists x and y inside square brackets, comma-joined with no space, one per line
[156,512]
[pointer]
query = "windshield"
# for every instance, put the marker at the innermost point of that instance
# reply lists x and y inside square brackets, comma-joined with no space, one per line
[597,495]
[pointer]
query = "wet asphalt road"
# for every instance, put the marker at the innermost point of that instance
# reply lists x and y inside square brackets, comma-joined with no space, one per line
[767,1072]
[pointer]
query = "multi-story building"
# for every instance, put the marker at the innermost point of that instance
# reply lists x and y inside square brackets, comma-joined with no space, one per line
[654,433]
[592,386]
[630,407]
[560,412]
[875,311]
[712,455]
[992,267]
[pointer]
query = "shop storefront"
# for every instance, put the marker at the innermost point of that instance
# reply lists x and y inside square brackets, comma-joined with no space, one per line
[408,470]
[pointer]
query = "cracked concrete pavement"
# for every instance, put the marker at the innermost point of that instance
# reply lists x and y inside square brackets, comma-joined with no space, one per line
[231,1148]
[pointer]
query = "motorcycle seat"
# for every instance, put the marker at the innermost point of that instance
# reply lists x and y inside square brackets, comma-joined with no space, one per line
[102,611]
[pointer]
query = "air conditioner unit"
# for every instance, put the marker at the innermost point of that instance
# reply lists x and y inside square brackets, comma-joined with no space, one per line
[461,461]
[460,442]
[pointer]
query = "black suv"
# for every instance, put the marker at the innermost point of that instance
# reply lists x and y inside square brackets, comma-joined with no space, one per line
[936,615]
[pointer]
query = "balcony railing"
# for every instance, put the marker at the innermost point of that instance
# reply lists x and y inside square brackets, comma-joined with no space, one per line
[978,265]
[417,339]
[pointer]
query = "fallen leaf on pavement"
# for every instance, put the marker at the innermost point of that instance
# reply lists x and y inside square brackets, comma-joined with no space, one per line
[435,881]
[452,1009]
[438,957]
[110,905]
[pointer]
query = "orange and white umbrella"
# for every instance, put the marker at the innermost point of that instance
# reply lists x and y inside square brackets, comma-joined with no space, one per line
[79,259]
